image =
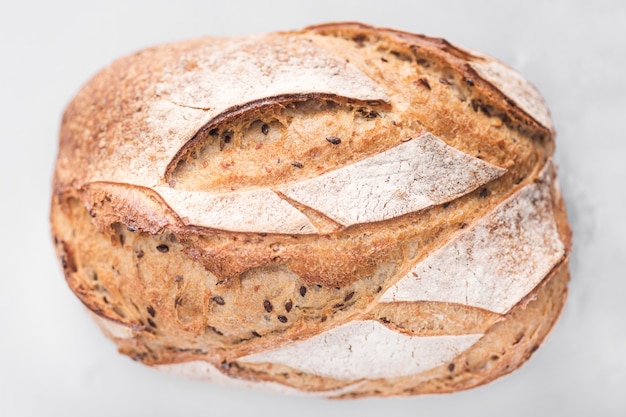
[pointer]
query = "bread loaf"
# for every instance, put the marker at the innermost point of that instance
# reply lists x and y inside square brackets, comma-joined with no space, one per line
[341,211]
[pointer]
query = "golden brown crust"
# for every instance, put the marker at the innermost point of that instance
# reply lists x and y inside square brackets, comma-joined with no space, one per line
[228,262]
[426,47]
[187,291]
[506,345]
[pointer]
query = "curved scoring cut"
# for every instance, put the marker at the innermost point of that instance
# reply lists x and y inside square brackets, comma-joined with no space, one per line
[412,176]
[347,352]
[513,85]
[266,67]
[261,143]
[496,262]
[400,180]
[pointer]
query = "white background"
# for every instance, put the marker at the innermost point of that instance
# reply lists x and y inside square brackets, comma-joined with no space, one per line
[54,361]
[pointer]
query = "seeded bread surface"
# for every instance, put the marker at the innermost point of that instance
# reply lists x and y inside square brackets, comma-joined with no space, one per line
[209,230]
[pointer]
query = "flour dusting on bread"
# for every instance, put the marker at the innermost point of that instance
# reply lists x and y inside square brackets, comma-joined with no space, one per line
[342,211]
[494,263]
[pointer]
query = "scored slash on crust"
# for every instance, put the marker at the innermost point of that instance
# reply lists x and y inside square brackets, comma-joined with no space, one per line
[350,349]
[206,371]
[512,84]
[473,269]
[260,210]
[400,180]
[497,261]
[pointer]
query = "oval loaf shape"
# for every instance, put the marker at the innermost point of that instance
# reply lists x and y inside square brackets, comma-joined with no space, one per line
[341,211]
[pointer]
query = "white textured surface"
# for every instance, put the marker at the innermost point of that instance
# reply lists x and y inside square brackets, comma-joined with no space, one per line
[259,210]
[495,262]
[55,361]
[208,373]
[236,68]
[401,180]
[349,351]
[512,84]
[265,68]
